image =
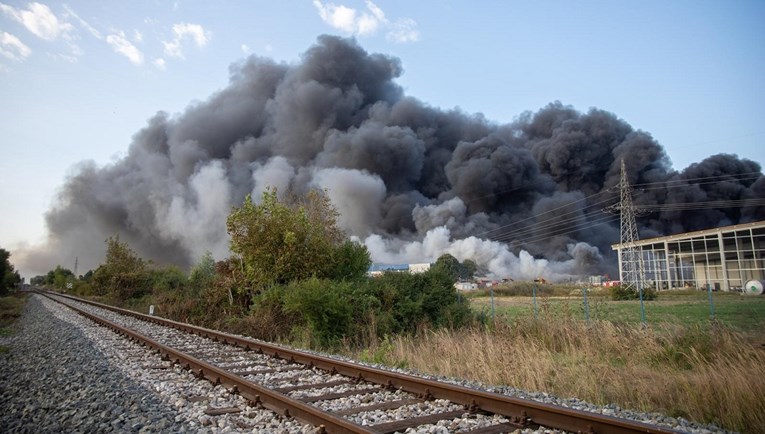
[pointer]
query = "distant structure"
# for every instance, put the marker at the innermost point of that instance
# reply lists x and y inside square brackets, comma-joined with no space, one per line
[726,258]
[375,270]
[419,268]
[631,267]
[465,285]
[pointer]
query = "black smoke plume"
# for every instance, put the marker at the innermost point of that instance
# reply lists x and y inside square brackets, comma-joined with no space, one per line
[411,181]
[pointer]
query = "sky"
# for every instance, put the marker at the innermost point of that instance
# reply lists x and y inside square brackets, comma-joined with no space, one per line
[78,79]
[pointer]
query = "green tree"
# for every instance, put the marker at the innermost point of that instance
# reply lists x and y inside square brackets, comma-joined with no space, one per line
[124,273]
[279,241]
[203,273]
[452,267]
[351,261]
[449,265]
[59,277]
[469,268]
[9,277]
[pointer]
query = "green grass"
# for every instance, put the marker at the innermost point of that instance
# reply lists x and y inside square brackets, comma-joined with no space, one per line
[743,313]
[10,308]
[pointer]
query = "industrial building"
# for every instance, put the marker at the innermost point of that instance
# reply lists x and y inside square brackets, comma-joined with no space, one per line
[376,270]
[725,258]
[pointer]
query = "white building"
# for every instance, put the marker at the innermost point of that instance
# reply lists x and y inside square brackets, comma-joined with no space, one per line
[725,258]
[419,268]
[465,286]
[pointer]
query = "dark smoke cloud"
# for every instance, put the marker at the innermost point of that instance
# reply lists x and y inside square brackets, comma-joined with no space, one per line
[411,181]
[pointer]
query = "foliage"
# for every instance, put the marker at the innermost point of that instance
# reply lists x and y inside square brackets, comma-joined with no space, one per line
[228,274]
[203,273]
[169,278]
[324,307]
[280,241]
[59,277]
[324,313]
[620,292]
[469,268]
[9,277]
[699,372]
[123,274]
[448,264]
[10,309]
[526,289]
[351,261]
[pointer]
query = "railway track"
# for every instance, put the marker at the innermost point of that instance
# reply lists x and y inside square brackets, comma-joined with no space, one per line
[338,396]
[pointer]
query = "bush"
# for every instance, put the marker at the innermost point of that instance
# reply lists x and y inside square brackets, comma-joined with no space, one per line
[620,292]
[325,313]
[324,308]
[526,289]
[167,279]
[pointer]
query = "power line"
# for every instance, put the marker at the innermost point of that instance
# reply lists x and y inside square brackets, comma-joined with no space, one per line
[604,219]
[728,203]
[711,178]
[549,223]
[672,183]
[543,213]
[575,226]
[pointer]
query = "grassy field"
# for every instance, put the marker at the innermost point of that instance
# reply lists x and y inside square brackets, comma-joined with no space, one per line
[742,313]
[10,310]
[682,364]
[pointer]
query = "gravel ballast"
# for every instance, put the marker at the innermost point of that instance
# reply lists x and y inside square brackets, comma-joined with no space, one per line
[59,376]
[55,380]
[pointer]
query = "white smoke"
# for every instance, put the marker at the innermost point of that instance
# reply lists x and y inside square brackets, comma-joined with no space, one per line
[277,173]
[195,222]
[357,195]
[492,256]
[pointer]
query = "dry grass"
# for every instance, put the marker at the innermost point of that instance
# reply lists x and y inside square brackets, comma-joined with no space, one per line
[706,374]
[11,307]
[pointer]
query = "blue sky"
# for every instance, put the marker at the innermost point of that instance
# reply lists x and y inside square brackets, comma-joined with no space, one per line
[78,79]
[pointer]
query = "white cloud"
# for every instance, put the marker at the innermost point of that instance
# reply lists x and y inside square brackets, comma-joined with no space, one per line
[246,49]
[349,20]
[75,52]
[362,23]
[159,63]
[92,30]
[121,45]
[183,32]
[40,20]
[12,48]
[137,36]
[404,30]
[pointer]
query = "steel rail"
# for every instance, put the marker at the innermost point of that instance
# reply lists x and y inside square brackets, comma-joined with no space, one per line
[261,396]
[520,411]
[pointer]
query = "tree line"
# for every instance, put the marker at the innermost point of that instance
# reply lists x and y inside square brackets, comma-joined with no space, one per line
[293,275]
[9,277]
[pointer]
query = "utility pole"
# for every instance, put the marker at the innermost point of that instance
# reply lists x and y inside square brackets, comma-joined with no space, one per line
[76,259]
[631,265]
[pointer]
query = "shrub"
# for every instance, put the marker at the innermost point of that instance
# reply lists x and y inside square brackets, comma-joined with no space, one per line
[620,292]
[167,279]
[324,308]
[325,313]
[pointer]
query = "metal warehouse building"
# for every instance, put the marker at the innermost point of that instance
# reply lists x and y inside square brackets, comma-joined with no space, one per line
[725,258]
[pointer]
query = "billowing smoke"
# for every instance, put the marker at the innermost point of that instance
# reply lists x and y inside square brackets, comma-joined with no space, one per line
[413,182]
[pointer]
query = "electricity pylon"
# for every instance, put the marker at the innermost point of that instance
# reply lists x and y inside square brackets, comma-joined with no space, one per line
[631,267]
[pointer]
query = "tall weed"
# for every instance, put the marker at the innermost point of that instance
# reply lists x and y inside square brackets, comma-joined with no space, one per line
[708,374]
